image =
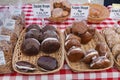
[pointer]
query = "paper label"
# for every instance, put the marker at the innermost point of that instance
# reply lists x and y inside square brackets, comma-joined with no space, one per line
[4,37]
[114,5]
[9,24]
[115,13]
[2,58]
[79,12]
[41,10]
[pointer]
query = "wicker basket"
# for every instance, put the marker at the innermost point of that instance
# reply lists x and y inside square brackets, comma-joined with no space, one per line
[19,56]
[60,19]
[81,66]
[116,64]
[103,13]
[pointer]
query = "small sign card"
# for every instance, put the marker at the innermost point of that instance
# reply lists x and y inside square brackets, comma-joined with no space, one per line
[79,12]
[41,10]
[115,13]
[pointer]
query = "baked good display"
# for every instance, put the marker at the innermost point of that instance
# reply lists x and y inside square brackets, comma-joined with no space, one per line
[35,52]
[24,66]
[60,11]
[95,49]
[47,63]
[30,47]
[50,45]
[97,13]
[75,54]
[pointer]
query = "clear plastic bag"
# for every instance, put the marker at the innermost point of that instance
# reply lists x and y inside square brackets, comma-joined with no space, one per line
[6,52]
[9,32]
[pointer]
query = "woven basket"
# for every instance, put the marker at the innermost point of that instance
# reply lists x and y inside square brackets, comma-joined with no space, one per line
[81,66]
[19,56]
[116,64]
[60,19]
[104,13]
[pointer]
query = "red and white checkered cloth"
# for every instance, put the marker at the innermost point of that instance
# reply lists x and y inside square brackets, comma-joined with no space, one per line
[65,73]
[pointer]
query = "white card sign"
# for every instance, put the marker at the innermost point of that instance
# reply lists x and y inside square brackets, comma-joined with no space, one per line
[115,13]
[41,10]
[79,12]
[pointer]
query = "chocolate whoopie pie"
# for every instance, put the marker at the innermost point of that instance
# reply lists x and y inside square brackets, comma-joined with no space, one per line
[45,28]
[86,37]
[90,54]
[34,33]
[91,30]
[100,62]
[72,36]
[33,26]
[30,46]
[79,28]
[75,54]
[24,66]
[50,34]
[50,45]
[68,31]
[102,48]
[47,63]
[72,42]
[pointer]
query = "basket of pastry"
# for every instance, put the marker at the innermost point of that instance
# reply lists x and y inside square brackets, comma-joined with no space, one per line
[112,38]
[60,11]
[86,49]
[39,50]
[97,13]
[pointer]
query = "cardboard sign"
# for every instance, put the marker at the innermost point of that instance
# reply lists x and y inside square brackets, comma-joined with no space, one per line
[79,12]
[41,10]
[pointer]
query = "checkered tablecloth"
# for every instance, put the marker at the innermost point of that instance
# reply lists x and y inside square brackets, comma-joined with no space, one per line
[65,73]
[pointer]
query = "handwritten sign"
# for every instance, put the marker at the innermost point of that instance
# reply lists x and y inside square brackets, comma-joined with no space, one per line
[79,12]
[115,13]
[41,10]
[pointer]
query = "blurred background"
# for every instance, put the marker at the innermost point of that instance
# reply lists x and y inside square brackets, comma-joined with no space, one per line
[37,1]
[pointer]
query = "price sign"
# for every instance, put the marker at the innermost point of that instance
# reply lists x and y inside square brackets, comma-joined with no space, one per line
[115,13]
[79,12]
[41,10]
